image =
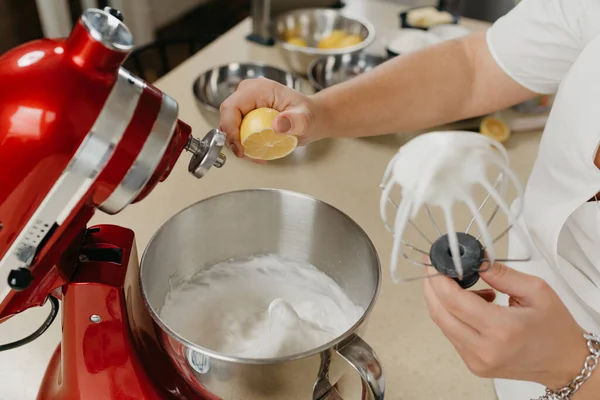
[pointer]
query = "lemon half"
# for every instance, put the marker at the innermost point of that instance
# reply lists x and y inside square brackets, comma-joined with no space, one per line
[260,141]
[350,40]
[495,128]
[332,40]
[297,41]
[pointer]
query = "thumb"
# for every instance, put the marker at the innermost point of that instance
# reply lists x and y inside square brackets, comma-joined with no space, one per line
[508,281]
[294,121]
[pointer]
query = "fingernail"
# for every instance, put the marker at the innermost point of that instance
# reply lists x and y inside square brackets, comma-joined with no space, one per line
[284,125]
[234,149]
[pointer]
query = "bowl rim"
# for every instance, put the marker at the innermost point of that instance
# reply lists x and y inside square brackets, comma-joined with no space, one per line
[264,361]
[212,108]
[309,72]
[331,52]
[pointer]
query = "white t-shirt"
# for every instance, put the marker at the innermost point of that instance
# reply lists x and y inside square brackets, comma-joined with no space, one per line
[553,46]
[538,41]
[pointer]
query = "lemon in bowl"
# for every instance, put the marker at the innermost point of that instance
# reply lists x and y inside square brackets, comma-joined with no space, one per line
[297,41]
[349,41]
[332,40]
[260,141]
[327,32]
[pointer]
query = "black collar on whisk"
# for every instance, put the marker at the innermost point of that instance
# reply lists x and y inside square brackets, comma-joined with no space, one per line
[472,255]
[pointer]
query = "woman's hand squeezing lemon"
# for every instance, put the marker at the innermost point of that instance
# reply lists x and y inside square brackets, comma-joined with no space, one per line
[259,139]
[265,121]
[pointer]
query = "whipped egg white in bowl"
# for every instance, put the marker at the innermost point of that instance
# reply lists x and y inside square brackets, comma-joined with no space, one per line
[265,268]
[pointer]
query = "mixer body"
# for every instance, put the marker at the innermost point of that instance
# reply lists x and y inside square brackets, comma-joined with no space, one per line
[77,132]
[110,348]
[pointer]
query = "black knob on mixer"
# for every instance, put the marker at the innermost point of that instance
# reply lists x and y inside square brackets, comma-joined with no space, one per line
[20,279]
[114,12]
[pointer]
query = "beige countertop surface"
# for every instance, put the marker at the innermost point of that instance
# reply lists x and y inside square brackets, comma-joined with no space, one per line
[419,363]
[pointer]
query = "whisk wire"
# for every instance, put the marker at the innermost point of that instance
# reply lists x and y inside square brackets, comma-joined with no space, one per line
[502,234]
[487,238]
[515,181]
[453,241]
[419,231]
[399,225]
[501,203]
[505,260]
[430,216]
[499,179]
[415,262]
[488,263]
[415,248]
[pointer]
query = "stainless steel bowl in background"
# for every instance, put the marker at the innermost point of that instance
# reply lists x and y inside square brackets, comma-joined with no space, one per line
[312,25]
[328,71]
[212,87]
[263,221]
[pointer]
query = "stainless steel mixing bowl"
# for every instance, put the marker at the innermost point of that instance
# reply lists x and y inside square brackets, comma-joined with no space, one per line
[295,226]
[312,25]
[212,87]
[328,71]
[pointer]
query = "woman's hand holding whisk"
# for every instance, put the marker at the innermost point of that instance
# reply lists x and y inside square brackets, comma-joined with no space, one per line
[534,339]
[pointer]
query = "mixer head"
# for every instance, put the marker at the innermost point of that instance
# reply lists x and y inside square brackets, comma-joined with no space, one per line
[78,132]
[447,180]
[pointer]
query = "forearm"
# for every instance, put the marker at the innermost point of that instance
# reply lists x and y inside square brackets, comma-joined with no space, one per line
[444,83]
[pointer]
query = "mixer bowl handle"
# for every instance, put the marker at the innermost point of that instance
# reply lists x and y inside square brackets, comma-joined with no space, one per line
[364,360]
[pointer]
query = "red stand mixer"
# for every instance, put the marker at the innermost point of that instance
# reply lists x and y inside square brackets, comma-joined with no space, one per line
[78,132]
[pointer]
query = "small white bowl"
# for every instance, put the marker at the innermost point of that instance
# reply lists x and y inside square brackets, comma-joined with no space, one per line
[409,40]
[449,31]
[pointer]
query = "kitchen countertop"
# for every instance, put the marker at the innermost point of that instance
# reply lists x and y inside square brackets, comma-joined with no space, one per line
[419,363]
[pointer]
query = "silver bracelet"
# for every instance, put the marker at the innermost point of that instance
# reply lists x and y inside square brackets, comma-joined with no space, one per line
[590,364]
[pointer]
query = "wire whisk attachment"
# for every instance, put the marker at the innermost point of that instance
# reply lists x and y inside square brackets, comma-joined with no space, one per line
[442,177]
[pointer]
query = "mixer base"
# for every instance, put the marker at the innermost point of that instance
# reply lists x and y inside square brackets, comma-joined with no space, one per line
[109,348]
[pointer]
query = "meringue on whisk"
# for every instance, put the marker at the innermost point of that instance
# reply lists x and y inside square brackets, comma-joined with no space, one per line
[441,170]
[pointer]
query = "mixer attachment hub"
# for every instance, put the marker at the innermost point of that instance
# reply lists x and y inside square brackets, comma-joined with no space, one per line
[207,153]
[472,255]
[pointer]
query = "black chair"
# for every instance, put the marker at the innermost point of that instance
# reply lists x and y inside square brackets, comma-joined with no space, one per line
[153,60]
